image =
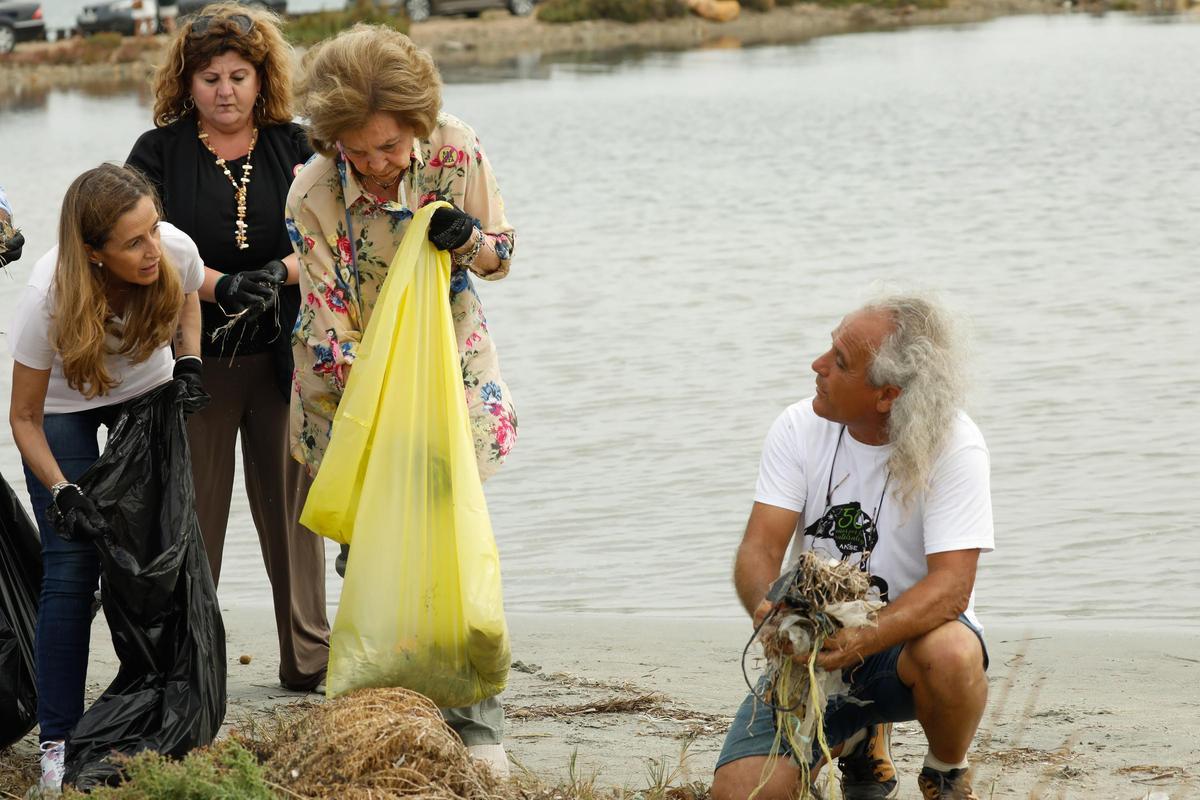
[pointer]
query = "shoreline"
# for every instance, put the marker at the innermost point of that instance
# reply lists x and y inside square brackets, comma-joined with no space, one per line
[497,37]
[1070,714]
[455,42]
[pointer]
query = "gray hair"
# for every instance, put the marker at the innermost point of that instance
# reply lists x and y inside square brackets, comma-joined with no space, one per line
[923,355]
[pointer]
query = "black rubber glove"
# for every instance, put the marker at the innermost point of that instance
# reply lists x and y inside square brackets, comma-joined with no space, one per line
[188,373]
[75,517]
[449,228]
[12,249]
[245,292]
[273,273]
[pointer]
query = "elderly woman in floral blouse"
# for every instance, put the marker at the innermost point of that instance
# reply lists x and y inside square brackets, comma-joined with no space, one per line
[384,149]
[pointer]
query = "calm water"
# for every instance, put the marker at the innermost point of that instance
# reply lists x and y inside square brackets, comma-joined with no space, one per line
[692,226]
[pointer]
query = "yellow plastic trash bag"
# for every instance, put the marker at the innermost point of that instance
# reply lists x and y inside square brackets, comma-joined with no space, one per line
[421,606]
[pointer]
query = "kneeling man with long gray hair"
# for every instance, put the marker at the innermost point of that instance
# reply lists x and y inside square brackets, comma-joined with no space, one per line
[882,467]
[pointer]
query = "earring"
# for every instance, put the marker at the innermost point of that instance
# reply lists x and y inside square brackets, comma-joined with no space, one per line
[260,101]
[189,104]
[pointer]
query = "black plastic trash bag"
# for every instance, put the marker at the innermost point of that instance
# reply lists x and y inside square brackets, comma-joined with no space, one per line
[20,585]
[158,597]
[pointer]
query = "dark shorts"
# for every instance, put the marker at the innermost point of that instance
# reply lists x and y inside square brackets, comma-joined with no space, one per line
[876,695]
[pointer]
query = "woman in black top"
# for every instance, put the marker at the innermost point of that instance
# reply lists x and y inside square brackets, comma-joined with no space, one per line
[223,155]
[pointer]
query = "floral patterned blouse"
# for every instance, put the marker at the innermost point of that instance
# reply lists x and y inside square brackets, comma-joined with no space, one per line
[449,166]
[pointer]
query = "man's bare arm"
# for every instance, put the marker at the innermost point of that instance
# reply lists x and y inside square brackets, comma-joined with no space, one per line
[934,600]
[760,555]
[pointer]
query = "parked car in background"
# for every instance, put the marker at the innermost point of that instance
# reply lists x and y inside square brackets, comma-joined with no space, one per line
[420,10]
[125,17]
[187,7]
[20,22]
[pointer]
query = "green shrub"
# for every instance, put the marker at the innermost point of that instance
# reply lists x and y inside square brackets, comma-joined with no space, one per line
[308,29]
[225,771]
[105,40]
[761,6]
[564,10]
[890,4]
[101,48]
[619,10]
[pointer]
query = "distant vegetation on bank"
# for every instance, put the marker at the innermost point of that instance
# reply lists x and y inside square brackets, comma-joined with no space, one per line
[308,29]
[130,54]
[619,10]
[644,10]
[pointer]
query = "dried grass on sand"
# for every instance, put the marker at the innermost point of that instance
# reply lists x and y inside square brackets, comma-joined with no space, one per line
[18,768]
[373,744]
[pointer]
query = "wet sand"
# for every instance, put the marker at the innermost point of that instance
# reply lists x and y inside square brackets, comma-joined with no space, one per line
[1072,714]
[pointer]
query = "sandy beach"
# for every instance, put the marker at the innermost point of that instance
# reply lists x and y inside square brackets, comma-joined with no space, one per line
[1072,714]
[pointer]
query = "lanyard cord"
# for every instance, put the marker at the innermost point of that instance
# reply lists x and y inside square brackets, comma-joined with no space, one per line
[829,487]
[832,464]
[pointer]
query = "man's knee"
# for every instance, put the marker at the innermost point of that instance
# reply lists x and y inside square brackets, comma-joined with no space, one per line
[950,653]
[736,780]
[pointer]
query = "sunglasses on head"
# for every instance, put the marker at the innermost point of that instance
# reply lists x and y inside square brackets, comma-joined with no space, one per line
[239,22]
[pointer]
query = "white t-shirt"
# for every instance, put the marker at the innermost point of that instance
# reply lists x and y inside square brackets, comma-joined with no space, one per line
[31,343]
[799,472]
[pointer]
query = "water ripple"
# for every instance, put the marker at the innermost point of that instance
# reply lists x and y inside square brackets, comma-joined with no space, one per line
[691,226]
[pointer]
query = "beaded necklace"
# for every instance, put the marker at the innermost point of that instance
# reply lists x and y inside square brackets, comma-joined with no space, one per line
[239,189]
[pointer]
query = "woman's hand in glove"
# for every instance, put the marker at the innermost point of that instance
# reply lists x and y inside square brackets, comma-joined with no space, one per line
[188,372]
[450,229]
[243,292]
[273,273]
[75,517]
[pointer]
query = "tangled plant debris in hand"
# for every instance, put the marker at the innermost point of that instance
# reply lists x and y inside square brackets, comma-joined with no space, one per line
[812,602]
[10,239]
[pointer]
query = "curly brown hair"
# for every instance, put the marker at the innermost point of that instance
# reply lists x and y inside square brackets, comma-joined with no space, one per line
[264,47]
[360,72]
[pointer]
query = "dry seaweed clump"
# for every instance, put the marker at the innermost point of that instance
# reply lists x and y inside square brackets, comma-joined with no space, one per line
[812,602]
[18,768]
[376,744]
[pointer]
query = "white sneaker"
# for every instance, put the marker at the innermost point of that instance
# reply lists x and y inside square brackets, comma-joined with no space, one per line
[491,754]
[53,758]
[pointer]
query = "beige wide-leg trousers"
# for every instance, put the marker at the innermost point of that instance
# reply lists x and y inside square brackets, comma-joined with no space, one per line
[247,400]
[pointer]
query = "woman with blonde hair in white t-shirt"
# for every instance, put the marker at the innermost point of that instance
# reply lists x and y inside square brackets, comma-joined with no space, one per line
[94,329]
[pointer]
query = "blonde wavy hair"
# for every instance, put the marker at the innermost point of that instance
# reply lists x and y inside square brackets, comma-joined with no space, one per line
[264,47]
[924,356]
[82,319]
[363,71]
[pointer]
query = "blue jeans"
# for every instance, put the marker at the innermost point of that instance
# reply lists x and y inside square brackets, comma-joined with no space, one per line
[878,696]
[71,571]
